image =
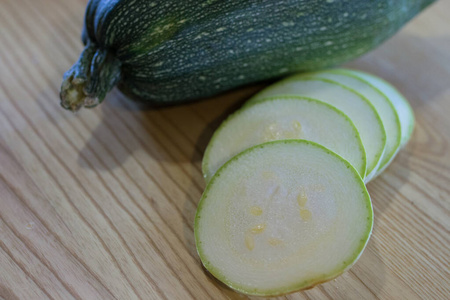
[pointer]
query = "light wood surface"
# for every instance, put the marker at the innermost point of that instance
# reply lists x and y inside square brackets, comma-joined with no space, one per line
[100,205]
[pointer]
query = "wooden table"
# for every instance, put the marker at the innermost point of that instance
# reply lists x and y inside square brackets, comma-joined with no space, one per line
[100,205]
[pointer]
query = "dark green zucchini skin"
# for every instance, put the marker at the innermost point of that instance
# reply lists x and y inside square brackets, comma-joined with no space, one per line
[173,51]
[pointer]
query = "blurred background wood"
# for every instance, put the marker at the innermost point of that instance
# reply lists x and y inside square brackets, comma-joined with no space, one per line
[100,205]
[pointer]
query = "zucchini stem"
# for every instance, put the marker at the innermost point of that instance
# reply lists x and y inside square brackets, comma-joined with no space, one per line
[88,81]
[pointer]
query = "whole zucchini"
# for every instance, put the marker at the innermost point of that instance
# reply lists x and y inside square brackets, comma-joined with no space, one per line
[172,51]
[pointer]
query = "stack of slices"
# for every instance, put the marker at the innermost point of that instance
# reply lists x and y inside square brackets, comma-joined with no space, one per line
[286,205]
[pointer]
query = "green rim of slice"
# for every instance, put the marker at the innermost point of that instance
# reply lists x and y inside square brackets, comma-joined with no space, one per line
[402,106]
[390,119]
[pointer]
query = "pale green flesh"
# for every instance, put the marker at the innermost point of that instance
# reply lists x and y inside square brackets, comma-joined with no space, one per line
[294,250]
[285,118]
[382,104]
[355,106]
[404,110]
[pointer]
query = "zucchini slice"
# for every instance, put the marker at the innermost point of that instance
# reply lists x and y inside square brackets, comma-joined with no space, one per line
[382,104]
[404,109]
[282,216]
[359,109]
[285,118]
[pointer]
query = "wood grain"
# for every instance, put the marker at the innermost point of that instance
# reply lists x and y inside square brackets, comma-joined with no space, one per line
[100,205]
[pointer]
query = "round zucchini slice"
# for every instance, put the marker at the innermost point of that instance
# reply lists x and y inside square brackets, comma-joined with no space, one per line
[282,216]
[355,106]
[285,118]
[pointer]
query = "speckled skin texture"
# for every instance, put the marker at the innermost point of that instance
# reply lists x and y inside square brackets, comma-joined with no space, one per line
[172,51]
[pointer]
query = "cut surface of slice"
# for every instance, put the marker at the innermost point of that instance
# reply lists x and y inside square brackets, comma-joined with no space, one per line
[382,104]
[279,118]
[359,109]
[404,109]
[282,216]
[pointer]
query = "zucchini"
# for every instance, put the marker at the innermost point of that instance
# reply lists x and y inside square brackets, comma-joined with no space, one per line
[285,118]
[173,51]
[282,216]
